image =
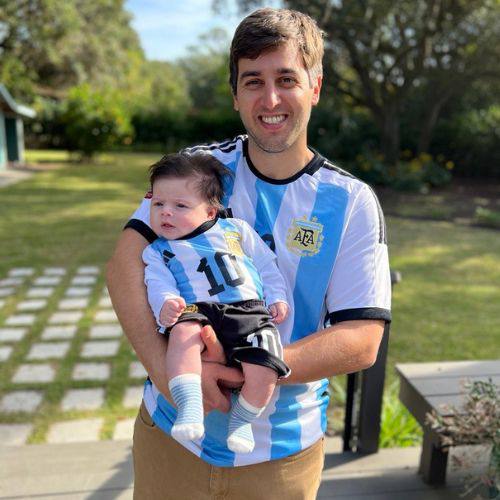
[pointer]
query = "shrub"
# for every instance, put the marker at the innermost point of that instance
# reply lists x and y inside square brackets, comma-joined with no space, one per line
[94,120]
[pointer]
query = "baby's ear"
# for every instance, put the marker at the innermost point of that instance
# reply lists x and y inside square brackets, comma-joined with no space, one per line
[212,212]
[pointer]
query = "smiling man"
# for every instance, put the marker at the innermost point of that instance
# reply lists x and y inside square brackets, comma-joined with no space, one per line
[328,233]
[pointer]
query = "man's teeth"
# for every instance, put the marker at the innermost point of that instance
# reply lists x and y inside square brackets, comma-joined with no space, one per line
[273,119]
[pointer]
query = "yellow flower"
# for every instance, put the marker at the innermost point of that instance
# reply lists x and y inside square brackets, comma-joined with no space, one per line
[449,165]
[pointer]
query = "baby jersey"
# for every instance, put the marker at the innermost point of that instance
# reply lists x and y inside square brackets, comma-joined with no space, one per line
[224,261]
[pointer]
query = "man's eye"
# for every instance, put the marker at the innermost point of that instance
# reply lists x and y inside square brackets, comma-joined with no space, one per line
[252,83]
[288,81]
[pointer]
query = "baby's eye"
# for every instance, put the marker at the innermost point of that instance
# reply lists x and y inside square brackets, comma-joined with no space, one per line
[181,205]
[157,204]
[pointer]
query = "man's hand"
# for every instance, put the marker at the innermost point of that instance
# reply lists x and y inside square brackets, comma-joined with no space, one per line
[216,378]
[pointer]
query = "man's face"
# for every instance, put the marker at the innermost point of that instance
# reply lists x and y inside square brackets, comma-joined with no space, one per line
[274,98]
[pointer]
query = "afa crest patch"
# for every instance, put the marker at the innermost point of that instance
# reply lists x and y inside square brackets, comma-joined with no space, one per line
[233,240]
[305,236]
[190,308]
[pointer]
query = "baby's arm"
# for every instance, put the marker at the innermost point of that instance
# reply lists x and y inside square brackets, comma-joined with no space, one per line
[161,285]
[171,311]
[272,280]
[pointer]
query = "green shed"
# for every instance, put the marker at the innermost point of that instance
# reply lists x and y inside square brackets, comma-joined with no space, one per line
[11,128]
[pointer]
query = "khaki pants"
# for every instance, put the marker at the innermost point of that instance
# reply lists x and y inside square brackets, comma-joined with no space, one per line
[165,470]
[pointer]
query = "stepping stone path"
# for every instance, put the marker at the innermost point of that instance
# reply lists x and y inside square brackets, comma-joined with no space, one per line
[61,328]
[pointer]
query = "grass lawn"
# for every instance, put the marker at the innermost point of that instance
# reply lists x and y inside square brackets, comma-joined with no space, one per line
[70,214]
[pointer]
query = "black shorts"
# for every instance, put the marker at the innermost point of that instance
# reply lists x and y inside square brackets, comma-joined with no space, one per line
[245,330]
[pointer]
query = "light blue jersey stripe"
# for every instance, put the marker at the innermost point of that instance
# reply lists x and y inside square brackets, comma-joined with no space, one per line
[228,181]
[323,395]
[177,269]
[309,292]
[269,199]
[214,447]
[312,280]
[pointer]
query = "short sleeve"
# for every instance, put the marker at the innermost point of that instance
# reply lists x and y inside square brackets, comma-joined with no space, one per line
[140,220]
[360,284]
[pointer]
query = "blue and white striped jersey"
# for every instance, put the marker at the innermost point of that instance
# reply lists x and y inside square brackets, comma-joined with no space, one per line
[223,261]
[328,233]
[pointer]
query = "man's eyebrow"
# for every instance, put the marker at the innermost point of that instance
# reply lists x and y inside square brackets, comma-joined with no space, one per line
[280,71]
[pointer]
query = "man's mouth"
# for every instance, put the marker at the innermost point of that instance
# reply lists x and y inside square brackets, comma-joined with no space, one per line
[272,120]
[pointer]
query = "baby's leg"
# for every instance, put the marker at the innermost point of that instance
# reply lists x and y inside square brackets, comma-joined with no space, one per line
[256,392]
[184,375]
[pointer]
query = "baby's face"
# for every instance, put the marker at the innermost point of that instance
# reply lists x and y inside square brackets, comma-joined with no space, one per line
[177,208]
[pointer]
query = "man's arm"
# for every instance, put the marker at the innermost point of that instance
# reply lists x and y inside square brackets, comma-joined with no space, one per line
[125,280]
[345,347]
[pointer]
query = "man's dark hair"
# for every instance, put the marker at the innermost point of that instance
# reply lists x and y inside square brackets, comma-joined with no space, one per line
[267,29]
[205,168]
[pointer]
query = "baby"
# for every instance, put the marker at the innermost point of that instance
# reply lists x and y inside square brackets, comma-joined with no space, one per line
[206,270]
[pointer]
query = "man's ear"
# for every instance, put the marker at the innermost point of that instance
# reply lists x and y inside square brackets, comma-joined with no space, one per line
[317,89]
[235,103]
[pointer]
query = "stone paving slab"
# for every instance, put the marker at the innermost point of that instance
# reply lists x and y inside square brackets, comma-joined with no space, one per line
[83,399]
[14,434]
[70,304]
[106,316]
[66,317]
[21,271]
[12,334]
[91,371]
[11,282]
[124,429]
[21,401]
[47,281]
[37,373]
[100,349]
[83,280]
[75,291]
[20,320]
[39,292]
[75,431]
[5,292]
[48,350]
[88,270]
[55,271]
[133,396]
[5,352]
[59,332]
[105,331]
[105,302]
[136,370]
[32,305]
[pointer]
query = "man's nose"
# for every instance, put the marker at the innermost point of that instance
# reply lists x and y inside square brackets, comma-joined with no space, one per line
[271,97]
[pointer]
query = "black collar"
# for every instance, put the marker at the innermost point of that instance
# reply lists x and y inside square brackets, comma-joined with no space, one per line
[315,163]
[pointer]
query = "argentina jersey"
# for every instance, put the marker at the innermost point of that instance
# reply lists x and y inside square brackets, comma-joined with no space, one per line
[328,234]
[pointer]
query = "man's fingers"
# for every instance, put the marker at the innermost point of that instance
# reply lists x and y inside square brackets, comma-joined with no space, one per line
[214,350]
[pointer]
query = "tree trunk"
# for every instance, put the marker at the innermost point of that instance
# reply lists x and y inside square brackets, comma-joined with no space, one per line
[390,139]
[429,121]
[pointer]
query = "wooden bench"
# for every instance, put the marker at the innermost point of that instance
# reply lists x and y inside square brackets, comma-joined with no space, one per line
[431,386]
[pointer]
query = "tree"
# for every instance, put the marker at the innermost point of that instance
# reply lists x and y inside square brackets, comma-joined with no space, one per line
[379,53]
[47,47]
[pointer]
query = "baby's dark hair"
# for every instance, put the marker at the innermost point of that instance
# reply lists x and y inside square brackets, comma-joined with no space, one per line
[208,171]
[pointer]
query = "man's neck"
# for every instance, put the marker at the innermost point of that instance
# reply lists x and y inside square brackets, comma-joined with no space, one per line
[280,165]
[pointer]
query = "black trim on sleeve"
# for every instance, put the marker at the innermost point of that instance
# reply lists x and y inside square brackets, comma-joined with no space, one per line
[356,314]
[142,228]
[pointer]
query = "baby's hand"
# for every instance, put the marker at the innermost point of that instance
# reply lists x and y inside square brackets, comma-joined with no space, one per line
[279,311]
[171,311]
